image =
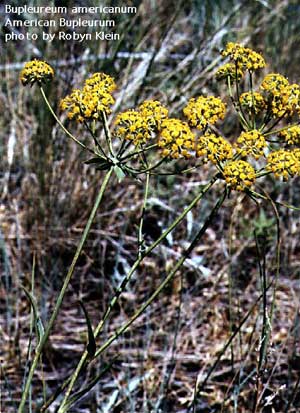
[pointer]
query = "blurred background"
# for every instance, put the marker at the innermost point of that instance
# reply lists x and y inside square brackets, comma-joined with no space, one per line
[167,51]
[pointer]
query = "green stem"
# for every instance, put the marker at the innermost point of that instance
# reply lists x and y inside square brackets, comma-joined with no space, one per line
[270,132]
[236,105]
[134,153]
[149,169]
[91,130]
[179,263]
[121,288]
[61,125]
[140,231]
[107,134]
[242,114]
[252,98]
[63,290]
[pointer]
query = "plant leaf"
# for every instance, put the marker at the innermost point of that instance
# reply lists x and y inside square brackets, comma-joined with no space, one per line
[98,163]
[91,345]
[119,172]
[37,320]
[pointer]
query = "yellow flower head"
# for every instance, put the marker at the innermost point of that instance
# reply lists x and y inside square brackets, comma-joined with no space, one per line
[291,135]
[214,147]
[36,71]
[251,143]
[88,103]
[252,102]
[283,163]
[290,98]
[239,175]
[230,70]
[100,82]
[176,139]
[154,112]
[84,105]
[243,56]
[273,83]
[132,126]
[283,98]
[204,110]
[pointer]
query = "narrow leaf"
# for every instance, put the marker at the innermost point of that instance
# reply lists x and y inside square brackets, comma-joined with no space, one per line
[91,346]
[119,172]
[37,320]
[99,163]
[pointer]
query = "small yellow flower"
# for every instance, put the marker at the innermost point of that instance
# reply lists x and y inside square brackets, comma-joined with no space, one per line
[283,98]
[216,148]
[296,153]
[36,71]
[154,112]
[283,163]
[239,175]
[252,102]
[291,135]
[88,103]
[204,110]
[273,83]
[176,139]
[100,82]
[229,70]
[251,143]
[246,58]
[132,126]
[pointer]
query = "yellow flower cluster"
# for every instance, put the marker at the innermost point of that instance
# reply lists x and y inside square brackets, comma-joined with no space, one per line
[291,135]
[176,139]
[239,174]
[243,56]
[283,97]
[251,143]
[283,163]
[36,71]
[252,102]
[139,125]
[154,112]
[216,148]
[132,126]
[89,102]
[100,82]
[273,83]
[230,70]
[204,110]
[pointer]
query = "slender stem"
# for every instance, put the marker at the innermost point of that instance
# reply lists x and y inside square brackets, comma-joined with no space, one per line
[96,142]
[261,258]
[236,105]
[238,97]
[252,98]
[270,132]
[134,153]
[142,171]
[63,290]
[61,125]
[107,134]
[121,288]
[140,231]
[163,284]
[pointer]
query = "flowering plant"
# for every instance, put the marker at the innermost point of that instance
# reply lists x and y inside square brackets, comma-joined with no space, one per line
[143,140]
